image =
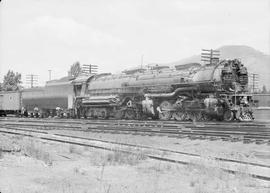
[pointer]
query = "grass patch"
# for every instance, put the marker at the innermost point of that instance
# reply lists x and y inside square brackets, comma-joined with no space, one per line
[35,150]
[25,146]
[122,158]
[75,149]
[117,157]
[207,178]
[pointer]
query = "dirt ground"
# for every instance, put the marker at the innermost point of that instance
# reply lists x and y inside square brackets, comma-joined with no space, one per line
[231,150]
[28,165]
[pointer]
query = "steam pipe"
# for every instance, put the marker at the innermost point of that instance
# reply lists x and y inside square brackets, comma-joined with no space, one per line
[172,93]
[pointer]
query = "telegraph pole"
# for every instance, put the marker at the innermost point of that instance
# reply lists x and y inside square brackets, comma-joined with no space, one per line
[254,82]
[50,74]
[89,69]
[210,56]
[142,61]
[31,79]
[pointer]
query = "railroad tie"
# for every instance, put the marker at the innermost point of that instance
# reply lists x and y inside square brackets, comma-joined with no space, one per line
[259,142]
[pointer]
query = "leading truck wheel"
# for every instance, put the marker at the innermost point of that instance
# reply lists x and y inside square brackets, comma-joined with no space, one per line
[228,115]
[195,116]
[165,110]
[179,115]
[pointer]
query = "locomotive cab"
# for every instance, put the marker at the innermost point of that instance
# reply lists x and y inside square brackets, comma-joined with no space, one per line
[80,85]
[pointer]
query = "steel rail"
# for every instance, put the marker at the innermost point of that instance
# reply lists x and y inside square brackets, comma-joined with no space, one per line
[151,122]
[202,133]
[199,132]
[263,134]
[250,128]
[193,133]
[140,146]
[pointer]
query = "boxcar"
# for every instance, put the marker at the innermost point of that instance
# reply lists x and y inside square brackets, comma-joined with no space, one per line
[10,102]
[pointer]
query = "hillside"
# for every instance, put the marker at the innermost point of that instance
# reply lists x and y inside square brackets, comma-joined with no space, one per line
[256,61]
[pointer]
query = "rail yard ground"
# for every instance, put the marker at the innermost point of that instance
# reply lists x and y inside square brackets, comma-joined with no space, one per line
[262,114]
[31,165]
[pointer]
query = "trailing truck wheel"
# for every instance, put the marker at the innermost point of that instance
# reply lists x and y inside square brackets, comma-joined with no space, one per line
[206,117]
[246,117]
[228,115]
[164,110]
[130,114]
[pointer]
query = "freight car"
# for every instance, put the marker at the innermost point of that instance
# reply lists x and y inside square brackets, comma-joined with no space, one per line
[10,103]
[191,91]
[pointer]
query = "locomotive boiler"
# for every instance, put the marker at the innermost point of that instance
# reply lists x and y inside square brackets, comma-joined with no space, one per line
[191,91]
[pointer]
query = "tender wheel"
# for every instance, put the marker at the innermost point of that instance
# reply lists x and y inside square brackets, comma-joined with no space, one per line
[228,115]
[104,114]
[179,116]
[199,116]
[164,111]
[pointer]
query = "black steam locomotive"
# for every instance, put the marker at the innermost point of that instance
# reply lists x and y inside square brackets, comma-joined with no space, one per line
[191,91]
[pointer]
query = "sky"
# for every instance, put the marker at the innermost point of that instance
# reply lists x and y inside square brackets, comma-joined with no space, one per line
[41,35]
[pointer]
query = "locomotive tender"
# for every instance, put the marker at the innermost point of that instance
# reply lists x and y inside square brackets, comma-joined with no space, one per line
[39,101]
[191,91]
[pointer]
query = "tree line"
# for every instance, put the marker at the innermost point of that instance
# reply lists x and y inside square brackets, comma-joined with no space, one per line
[12,80]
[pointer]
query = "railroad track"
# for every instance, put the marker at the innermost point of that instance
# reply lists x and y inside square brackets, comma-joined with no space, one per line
[247,132]
[79,121]
[259,171]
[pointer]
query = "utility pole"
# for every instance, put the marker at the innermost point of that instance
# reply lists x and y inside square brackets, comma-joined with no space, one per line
[50,74]
[89,69]
[31,79]
[254,79]
[210,56]
[142,61]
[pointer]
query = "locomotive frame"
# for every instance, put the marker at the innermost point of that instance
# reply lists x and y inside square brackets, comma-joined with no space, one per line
[216,91]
